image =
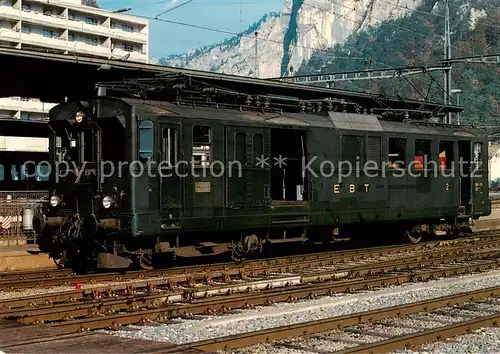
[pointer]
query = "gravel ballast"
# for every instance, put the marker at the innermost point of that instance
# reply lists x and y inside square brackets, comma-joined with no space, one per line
[187,331]
[484,341]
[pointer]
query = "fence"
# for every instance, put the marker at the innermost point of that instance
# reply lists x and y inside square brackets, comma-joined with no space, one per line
[16,216]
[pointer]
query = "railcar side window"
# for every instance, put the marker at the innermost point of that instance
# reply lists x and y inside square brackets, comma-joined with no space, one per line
[478,156]
[2,173]
[397,153]
[23,169]
[202,139]
[258,145]
[352,148]
[14,173]
[446,154]
[146,137]
[169,146]
[240,148]
[422,153]
[42,172]
[374,150]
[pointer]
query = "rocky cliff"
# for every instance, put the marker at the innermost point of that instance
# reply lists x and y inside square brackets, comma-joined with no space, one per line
[288,39]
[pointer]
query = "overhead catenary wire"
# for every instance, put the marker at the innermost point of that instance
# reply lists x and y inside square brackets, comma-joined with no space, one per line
[357,22]
[480,23]
[174,8]
[328,52]
[345,16]
[241,34]
[230,32]
[379,19]
[252,37]
[233,33]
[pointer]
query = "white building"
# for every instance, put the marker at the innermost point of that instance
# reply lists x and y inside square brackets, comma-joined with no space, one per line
[66,27]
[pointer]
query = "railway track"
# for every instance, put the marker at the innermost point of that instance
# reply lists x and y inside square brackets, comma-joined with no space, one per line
[16,276]
[64,277]
[104,308]
[305,330]
[310,270]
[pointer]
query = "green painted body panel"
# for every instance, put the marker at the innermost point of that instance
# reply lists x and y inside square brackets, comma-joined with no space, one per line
[240,200]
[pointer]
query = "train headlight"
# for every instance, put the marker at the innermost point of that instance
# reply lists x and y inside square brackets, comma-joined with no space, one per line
[79,116]
[106,202]
[54,200]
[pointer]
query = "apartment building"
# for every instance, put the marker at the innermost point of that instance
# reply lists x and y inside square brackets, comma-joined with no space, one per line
[67,27]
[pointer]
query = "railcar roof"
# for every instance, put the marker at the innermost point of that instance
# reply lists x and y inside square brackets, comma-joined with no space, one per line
[332,120]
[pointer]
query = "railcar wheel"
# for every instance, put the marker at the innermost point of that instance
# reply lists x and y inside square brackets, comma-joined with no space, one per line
[250,245]
[237,256]
[146,261]
[455,232]
[412,237]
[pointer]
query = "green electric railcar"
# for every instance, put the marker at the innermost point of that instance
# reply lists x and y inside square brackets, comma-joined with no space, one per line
[135,178]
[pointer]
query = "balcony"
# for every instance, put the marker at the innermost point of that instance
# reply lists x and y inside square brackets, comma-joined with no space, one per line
[42,41]
[9,35]
[81,26]
[134,56]
[75,25]
[10,13]
[46,20]
[63,45]
[81,47]
[128,36]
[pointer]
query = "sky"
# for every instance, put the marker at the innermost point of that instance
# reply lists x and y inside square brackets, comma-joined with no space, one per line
[168,38]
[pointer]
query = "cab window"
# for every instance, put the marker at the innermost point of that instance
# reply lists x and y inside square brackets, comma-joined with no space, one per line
[146,139]
[397,153]
[202,141]
[422,153]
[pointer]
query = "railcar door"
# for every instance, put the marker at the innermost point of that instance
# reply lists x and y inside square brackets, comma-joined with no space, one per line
[170,172]
[247,175]
[464,154]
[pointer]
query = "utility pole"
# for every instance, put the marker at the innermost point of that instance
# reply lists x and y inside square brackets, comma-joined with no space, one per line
[256,55]
[447,56]
[457,92]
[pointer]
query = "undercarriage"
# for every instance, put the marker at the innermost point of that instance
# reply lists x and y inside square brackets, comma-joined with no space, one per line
[82,245]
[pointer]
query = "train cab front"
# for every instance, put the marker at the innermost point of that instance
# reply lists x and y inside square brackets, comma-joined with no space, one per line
[86,197]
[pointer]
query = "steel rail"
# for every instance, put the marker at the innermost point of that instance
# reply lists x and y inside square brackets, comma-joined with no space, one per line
[18,275]
[432,259]
[424,337]
[24,279]
[323,325]
[54,312]
[429,259]
[50,312]
[225,303]
[288,261]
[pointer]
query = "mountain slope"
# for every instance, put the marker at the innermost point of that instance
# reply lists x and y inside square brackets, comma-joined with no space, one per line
[288,39]
[416,40]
